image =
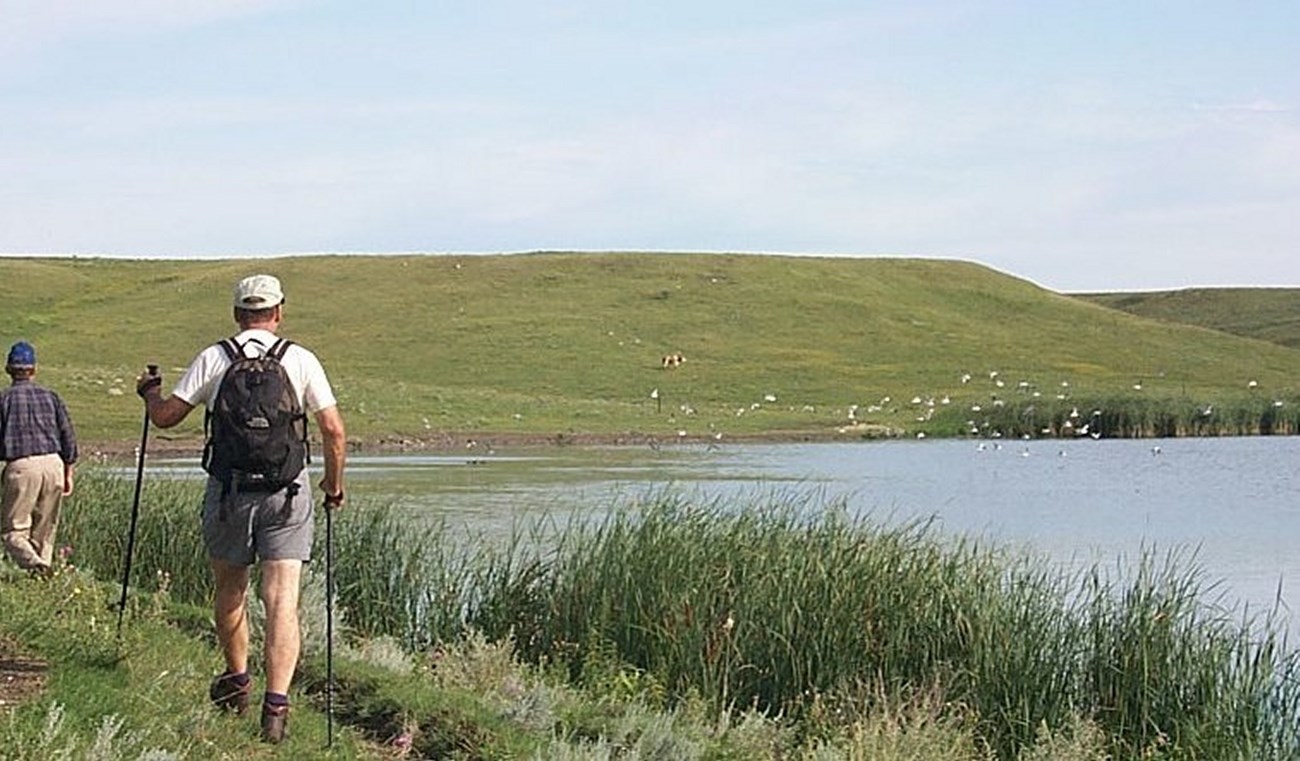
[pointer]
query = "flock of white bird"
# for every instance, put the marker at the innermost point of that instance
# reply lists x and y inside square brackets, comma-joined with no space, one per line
[1077,423]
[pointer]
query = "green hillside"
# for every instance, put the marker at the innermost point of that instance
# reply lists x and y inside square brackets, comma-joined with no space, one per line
[1269,314]
[569,344]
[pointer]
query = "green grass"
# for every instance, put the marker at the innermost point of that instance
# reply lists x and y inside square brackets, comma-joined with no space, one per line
[1267,314]
[570,344]
[767,627]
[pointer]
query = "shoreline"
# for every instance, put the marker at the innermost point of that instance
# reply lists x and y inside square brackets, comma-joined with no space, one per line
[459,441]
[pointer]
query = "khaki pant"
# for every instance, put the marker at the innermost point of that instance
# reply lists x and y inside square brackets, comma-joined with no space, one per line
[29,511]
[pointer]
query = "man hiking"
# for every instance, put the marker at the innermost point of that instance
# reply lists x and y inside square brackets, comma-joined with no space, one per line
[39,449]
[257,506]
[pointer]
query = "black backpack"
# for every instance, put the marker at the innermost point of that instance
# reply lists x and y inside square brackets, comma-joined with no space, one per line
[256,430]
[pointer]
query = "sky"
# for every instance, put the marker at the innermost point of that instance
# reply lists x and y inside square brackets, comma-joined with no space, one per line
[1081,145]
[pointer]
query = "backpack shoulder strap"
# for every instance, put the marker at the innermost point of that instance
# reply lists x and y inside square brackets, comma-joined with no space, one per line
[231,347]
[278,349]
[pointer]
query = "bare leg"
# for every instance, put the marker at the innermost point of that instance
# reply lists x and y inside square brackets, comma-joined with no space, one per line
[231,618]
[280,579]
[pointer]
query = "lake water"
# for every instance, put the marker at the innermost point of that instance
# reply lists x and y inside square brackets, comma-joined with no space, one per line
[1234,501]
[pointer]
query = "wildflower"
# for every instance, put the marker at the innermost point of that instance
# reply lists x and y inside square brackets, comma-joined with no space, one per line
[402,742]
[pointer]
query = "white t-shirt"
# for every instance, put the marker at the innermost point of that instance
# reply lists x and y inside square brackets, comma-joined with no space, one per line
[201,379]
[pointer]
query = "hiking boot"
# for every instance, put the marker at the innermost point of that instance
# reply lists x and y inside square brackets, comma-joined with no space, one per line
[275,720]
[229,695]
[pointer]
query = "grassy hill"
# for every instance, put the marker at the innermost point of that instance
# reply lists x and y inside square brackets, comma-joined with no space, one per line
[569,344]
[1269,314]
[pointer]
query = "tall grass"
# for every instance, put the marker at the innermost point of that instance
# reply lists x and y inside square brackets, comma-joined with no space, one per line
[788,606]
[1123,416]
[168,547]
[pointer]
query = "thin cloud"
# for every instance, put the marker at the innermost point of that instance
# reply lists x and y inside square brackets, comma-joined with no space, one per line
[1260,106]
[30,24]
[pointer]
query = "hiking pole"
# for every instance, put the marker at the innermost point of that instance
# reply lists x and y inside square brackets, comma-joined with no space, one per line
[135,510]
[329,623]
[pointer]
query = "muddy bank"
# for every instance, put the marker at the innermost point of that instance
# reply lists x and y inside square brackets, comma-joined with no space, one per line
[459,441]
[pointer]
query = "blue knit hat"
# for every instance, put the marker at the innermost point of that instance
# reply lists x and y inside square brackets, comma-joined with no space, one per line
[21,354]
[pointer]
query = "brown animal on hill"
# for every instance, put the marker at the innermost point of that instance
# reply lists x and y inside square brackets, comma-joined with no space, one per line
[673,360]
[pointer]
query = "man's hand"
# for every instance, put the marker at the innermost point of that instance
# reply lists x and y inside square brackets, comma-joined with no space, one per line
[333,497]
[150,379]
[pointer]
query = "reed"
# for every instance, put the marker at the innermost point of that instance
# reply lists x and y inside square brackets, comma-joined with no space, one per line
[786,605]
[760,607]
[1123,416]
[392,581]
[96,522]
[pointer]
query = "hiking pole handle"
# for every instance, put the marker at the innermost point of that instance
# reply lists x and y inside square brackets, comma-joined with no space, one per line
[152,380]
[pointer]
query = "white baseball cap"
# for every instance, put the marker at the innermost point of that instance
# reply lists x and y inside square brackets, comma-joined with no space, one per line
[258,292]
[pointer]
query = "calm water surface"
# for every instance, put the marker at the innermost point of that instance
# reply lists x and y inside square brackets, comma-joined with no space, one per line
[1234,501]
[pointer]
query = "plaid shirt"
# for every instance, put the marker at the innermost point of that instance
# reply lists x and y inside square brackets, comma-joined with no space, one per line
[33,421]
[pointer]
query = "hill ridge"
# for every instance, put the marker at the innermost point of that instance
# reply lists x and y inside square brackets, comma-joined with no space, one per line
[570,343]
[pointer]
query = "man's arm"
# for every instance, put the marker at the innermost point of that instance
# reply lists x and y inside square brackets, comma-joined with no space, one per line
[68,469]
[168,412]
[334,439]
[163,413]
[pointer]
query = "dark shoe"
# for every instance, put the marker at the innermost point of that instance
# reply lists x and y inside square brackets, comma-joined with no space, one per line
[229,695]
[275,720]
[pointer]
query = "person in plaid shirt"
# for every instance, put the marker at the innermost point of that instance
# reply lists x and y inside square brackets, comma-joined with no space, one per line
[39,449]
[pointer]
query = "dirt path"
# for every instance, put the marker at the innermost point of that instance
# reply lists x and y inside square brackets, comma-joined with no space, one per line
[20,677]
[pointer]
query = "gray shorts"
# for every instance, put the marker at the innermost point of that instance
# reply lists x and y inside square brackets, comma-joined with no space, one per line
[258,525]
